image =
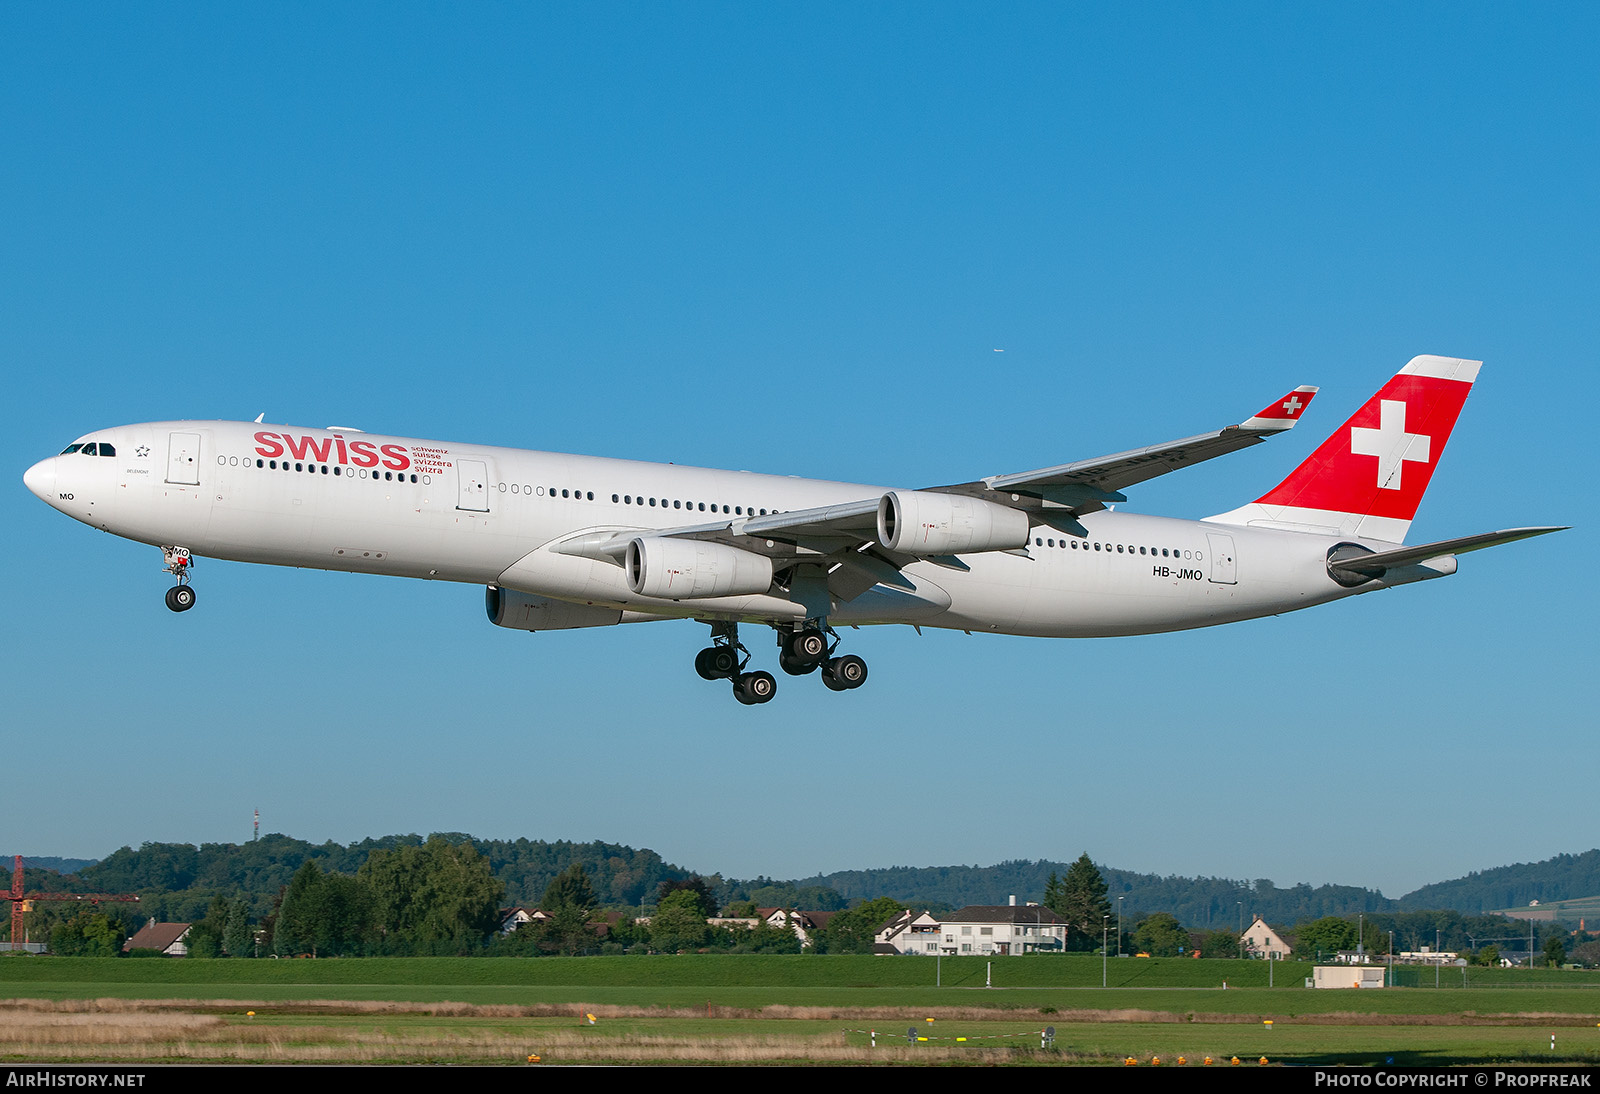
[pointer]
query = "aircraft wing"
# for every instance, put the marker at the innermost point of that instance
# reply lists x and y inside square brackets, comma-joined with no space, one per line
[1086,485]
[843,538]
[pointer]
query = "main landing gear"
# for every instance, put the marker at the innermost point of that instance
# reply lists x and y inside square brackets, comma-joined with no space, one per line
[180,598]
[726,658]
[801,650]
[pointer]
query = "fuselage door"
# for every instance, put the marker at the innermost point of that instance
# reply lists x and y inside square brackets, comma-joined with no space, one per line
[183,459]
[472,478]
[1224,567]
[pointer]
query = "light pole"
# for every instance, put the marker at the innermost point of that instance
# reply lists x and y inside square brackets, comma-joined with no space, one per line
[1105,925]
[1120,899]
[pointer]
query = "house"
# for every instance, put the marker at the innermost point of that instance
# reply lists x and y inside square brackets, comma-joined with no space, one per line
[907,933]
[513,919]
[1261,940]
[801,923]
[1003,929]
[165,938]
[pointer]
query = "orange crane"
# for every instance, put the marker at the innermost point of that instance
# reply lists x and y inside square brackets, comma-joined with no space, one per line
[21,900]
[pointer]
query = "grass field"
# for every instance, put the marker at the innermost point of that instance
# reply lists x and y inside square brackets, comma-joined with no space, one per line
[751,1009]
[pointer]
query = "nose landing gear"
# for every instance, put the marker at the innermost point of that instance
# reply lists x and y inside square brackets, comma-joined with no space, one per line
[180,598]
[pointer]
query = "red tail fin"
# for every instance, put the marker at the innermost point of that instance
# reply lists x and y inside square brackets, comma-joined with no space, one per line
[1368,478]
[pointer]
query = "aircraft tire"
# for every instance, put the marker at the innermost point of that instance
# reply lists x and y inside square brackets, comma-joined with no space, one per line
[845,673]
[715,663]
[797,668]
[180,598]
[755,687]
[807,647]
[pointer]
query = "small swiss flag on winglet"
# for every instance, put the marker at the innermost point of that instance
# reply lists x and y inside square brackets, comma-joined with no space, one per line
[1282,413]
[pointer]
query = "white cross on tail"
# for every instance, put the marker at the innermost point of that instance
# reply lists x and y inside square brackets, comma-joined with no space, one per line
[1390,443]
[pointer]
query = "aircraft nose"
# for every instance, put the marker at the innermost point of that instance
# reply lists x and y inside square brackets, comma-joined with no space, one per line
[41,479]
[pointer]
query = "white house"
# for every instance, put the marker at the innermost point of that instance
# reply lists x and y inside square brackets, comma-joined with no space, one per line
[1003,929]
[1262,941]
[909,934]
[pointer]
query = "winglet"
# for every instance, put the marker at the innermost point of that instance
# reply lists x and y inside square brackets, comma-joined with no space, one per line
[1281,414]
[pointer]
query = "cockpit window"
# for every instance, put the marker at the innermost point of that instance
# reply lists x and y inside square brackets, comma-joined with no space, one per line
[90,449]
[106,449]
[70,449]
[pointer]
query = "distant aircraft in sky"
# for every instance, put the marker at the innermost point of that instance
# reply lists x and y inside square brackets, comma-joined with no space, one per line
[566,541]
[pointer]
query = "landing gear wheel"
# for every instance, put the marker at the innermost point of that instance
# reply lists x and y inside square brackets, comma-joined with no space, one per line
[797,668]
[845,673]
[716,663]
[180,598]
[755,687]
[807,646]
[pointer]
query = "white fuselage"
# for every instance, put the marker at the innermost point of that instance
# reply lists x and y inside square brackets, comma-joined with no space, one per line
[345,500]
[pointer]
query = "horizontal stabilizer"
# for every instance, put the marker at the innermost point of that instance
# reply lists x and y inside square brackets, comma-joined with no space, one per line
[1374,565]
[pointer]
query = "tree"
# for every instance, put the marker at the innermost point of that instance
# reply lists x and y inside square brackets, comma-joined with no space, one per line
[292,931]
[1555,952]
[205,935]
[678,923]
[434,899]
[569,888]
[1327,935]
[568,900]
[325,915]
[1219,944]
[695,885]
[1160,935]
[854,931]
[237,936]
[88,934]
[1081,902]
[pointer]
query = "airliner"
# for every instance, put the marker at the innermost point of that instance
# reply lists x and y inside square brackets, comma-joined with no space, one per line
[567,541]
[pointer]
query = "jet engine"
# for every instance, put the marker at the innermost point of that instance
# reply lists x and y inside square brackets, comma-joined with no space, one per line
[920,522]
[526,612]
[684,569]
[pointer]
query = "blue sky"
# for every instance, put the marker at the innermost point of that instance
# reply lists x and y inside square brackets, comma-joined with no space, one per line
[792,239]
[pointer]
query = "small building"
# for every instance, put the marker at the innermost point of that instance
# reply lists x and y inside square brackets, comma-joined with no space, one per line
[1347,976]
[1003,929]
[166,939]
[1428,956]
[1261,940]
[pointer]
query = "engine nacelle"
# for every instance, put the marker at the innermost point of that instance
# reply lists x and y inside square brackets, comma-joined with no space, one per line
[526,612]
[920,522]
[684,569]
